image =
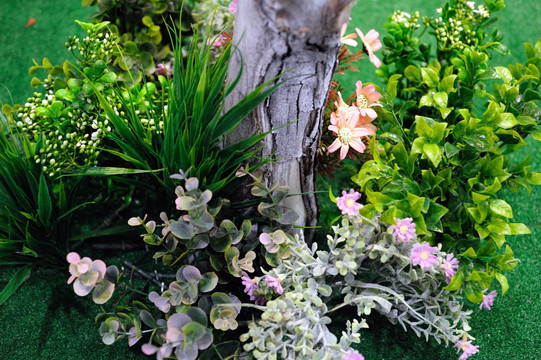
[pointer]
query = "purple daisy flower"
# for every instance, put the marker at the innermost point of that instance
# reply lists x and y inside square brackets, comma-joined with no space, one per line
[258,299]
[404,230]
[467,348]
[488,300]
[450,265]
[353,355]
[250,285]
[233,6]
[274,283]
[422,254]
[348,203]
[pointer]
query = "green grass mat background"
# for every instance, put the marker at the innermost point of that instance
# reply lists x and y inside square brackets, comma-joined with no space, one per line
[46,320]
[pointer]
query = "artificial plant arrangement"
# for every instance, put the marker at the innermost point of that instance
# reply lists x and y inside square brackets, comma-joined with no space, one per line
[290,289]
[90,116]
[443,155]
[432,228]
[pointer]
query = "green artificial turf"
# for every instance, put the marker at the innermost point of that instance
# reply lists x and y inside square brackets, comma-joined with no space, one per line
[55,21]
[46,320]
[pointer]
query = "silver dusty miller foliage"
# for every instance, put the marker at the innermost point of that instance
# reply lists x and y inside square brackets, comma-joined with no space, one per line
[366,268]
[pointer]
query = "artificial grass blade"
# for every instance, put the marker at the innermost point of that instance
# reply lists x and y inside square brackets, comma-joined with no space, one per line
[16,280]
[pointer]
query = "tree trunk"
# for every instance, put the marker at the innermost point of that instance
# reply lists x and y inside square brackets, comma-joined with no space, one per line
[274,36]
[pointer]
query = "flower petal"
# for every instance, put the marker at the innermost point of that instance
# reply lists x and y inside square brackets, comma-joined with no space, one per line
[357,145]
[73,258]
[334,146]
[344,151]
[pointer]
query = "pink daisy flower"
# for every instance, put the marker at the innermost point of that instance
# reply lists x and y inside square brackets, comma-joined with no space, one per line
[348,39]
[367,97]
[404,230]
[488,300]
[347,132]
[422,254]
[371,44]
[348,203]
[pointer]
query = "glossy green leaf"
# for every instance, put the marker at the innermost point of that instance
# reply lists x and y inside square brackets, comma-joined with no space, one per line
[426,100]
[392,84]
[503,282]
[440,98]
[434,153]
[507,121]
[475,296]
[501,207]
[487,250]
[519,229]
[412,73]
[504,74]
[109,77]
[430,77]
[35,82]
[534,178]
[456,281]
[447,83]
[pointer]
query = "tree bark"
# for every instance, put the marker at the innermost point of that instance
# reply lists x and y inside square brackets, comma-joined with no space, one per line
[302,36]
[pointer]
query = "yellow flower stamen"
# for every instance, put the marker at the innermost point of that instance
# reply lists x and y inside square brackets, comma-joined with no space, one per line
[403,229]
[350,203]
[345,135]
[423,255]
[362,101]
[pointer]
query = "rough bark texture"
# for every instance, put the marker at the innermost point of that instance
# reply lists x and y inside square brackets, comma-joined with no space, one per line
[302,36]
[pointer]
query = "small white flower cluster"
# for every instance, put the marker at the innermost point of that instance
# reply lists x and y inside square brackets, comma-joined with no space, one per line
[458,31]
[408,20]
[67,139]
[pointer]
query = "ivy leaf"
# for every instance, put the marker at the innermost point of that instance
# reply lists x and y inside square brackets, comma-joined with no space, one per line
[433,216]
[469,253]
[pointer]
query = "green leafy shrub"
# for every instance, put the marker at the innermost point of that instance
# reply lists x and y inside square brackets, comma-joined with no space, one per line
[66,116]
[443,156]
